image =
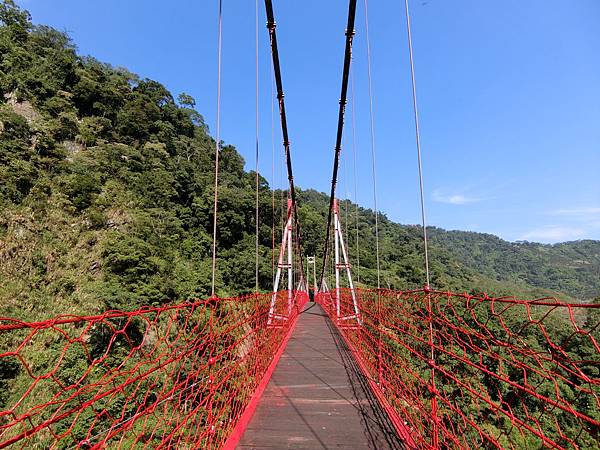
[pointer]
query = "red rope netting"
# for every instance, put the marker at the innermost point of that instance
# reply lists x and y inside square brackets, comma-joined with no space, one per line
[459,371]
[175,376]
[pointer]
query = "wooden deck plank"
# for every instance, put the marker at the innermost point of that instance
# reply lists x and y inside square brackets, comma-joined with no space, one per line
[317,397]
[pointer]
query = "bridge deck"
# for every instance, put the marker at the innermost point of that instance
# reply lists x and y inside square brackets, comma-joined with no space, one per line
[317,397]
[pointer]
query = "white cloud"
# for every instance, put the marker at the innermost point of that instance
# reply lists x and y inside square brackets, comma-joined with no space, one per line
[577,212]
[453,199]
[575,223]
[552,234]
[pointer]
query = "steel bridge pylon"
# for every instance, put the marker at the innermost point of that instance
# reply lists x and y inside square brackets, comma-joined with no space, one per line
[342,262]
[286,248]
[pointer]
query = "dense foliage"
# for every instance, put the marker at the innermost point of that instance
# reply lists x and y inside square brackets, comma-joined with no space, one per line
[106,200]
[105,184]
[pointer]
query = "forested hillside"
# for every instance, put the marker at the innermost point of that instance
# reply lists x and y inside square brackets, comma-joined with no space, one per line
[571,267]
[106,200]
[468,261]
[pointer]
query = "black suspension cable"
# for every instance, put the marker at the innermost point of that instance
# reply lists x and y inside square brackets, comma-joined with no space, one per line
[340,126]
[271,25]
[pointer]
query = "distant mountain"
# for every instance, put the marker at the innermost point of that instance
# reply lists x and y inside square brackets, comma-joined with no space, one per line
[570,267]
[469,261]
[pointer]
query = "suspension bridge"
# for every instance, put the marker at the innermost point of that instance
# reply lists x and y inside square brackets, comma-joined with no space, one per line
[317,362]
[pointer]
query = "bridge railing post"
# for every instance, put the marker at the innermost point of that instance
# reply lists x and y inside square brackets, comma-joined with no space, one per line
[431,363]
[211,362]
[379,341]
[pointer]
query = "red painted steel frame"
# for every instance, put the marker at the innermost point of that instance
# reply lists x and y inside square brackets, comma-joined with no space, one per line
[177,376]
[242,424]
[461,371]
[452,370]
[396,420]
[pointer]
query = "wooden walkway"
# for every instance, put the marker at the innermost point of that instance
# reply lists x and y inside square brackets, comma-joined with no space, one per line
[317,397]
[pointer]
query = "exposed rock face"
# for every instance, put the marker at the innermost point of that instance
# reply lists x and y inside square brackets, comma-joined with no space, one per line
[72,148]
[22,108]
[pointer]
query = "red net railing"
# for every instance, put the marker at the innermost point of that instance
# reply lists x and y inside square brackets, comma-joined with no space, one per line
[172,377]
[460,371]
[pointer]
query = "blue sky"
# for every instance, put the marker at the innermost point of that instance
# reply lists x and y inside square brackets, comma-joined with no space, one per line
[509,98]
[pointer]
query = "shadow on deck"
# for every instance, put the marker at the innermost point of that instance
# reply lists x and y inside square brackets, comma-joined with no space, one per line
[318,397]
